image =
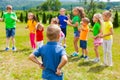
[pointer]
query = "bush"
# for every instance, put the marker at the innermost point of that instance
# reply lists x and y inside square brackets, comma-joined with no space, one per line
[116,22]
[37,16]
[50,17]
[44,18]
[26,17]
[21,17]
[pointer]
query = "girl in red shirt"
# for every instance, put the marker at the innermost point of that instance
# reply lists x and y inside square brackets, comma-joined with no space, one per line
[39,34]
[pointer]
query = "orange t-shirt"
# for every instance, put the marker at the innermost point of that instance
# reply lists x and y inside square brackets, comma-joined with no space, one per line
[84,33]
[31,26]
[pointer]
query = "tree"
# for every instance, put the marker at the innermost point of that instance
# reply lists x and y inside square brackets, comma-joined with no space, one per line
[51,5]
[101,5]
[2,14]
[26,17]
[44,18]
[116,21]
[50,17]
[21,17]
[37,16]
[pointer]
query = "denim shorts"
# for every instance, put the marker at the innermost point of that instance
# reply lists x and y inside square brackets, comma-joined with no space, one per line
[76,34]
[83,44]
[10,32]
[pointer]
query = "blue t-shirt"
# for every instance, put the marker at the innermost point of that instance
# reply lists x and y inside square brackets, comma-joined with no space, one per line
[61,18]
[51,55]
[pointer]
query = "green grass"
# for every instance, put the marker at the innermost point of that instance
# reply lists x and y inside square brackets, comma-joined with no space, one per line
[16,66]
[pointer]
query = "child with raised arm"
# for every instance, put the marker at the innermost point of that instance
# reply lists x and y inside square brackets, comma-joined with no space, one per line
[107,38]
[84,29]
[31,24]
[78,13]
[97,30]
[39,34]
[10,19]
[52,54]
[63,24]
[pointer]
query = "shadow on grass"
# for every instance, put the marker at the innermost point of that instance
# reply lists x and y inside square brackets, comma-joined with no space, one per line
[88,63]
[2,50]
[97,69]
[26,51]
[73,59]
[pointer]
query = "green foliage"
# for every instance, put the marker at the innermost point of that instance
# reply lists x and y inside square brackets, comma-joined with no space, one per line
[2,14]
[50,17]
[21,17]
[37,16]
[101,5]
[116,21]
[26,17]
[51,5]
[44,18]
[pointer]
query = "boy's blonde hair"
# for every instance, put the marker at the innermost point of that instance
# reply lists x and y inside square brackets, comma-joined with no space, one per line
[9,7]
[53,31]
[86,20]
[62,9]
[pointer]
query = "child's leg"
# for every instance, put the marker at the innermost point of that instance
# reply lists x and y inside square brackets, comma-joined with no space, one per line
[76,44]
[32,40]
[96,51]
[86,52]
[109,48]
[13,41]
[105,51]
[7,42]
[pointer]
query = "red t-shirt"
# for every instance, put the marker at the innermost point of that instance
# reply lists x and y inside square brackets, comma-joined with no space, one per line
[39,35]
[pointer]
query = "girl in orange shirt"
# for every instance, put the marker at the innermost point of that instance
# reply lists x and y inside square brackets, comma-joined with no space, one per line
[32,22]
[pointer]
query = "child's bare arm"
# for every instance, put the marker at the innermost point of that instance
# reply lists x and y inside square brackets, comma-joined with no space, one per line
[64,60]
[34,59]
[1,19]
[111,33]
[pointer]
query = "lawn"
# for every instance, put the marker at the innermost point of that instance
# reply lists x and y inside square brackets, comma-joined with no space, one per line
[16,66]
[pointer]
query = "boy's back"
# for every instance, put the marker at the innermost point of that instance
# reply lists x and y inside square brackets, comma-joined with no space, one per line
[53,55]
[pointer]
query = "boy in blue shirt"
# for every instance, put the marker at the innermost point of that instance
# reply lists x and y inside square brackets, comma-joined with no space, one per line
[52,54]
[63,25]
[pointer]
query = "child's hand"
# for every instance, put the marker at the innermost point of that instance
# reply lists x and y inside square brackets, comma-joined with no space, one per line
[67,21]
[58,72]
[41,66]
[26,27]
[1,19]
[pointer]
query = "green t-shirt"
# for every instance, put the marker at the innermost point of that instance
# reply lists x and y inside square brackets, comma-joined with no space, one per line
[74,20]
[96,29]
[9,22]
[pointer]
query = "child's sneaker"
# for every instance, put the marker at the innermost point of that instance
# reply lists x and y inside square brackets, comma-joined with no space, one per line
[86,58]
[82,56]
[14,49]
[96,60]
[6,49]
[64,45]
[74,54]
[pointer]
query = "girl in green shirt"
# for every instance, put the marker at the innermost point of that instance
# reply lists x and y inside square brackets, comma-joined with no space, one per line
[78,13]
[97,19]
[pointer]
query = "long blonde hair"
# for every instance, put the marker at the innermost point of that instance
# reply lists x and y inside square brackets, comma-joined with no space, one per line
[81,11]
[99,17]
